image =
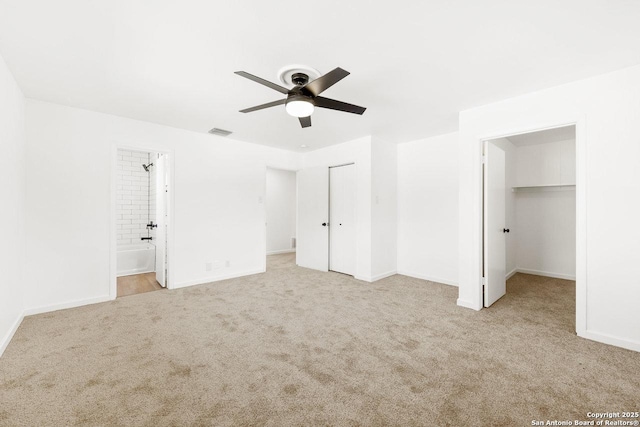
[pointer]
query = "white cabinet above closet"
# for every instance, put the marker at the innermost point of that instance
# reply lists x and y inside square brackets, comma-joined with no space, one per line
[546,165]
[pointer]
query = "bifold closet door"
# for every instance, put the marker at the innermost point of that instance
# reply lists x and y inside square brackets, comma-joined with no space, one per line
[495,249]
[342,219]
[312,243]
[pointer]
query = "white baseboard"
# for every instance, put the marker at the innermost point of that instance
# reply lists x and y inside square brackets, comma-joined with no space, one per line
[611,340]
[283,251]
[383,275]
[546,274]
[429,278]
[468,304]
[511,273]
[211,279]
[7,338]
[363,278]
[65,305]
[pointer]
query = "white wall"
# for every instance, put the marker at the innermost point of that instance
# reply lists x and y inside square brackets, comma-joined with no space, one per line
[511,217]
[359,152]
[428,208]
[12,180]
[606,109]
[546,239]
[549,163]
[547,232]
[132,197]
[218,189]
[384,208]
[280,204]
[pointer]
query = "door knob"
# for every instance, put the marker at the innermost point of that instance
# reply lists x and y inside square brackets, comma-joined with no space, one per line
[505,230]
[324,224]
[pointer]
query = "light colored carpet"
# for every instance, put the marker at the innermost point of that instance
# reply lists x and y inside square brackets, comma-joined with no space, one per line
[299,347]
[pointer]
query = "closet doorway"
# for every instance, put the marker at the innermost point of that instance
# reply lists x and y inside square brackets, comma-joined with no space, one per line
[327,218]
[529,209]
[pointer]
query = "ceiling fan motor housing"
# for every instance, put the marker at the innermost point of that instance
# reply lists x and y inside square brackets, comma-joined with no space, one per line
[300,79]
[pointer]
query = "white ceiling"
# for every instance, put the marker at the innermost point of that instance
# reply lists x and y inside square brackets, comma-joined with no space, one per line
[414,64]
[544,136]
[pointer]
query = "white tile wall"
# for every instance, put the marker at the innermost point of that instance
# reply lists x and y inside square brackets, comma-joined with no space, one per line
[152,193]
[132,204]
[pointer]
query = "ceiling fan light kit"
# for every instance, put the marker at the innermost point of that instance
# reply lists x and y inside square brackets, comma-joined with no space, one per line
[303,97]
[299,106]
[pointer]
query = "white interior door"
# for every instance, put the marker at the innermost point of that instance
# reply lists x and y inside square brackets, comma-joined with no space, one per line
[342,219]
[494,224]
[313,217]
[161,219]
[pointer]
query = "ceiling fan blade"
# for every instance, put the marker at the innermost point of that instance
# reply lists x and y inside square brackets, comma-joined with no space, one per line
[263,106]
[323,83]
[263,82]
[332,104]
[305,122]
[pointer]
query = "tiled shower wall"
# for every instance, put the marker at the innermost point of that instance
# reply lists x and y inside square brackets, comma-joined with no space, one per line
[152,193]
[132,204]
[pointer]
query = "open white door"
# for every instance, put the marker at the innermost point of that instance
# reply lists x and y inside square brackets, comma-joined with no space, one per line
[342,219]
[495,285]
[313,217]
[161,212]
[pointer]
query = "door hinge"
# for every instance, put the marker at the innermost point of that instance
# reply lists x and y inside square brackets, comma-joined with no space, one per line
[484,159]
[484,281]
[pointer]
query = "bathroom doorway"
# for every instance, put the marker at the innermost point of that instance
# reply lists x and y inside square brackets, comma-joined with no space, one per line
[140,225]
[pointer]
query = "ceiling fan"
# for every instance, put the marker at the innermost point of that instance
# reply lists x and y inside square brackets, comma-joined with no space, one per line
[303,97]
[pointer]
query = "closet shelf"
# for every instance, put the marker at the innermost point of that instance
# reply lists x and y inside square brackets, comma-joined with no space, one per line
[522,187]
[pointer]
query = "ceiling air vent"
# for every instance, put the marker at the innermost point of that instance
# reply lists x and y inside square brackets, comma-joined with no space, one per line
[220,132]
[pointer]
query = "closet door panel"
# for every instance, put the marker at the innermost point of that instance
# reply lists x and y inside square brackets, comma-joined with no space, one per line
[342,227]
[313,210]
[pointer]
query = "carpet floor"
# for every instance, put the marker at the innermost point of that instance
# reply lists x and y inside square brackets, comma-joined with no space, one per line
[299,347]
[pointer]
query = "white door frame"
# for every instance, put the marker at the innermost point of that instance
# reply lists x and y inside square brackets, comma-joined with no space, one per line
[113,239]
[581,208]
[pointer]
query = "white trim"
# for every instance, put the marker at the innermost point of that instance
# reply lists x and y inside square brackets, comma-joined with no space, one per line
[510,274]
[544,274]
[9,336]
[283,251]
[212,279]
[581,226]
[611,340]
[468,304]
[429,278]
[383,275]
[65,305]
[113,275]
